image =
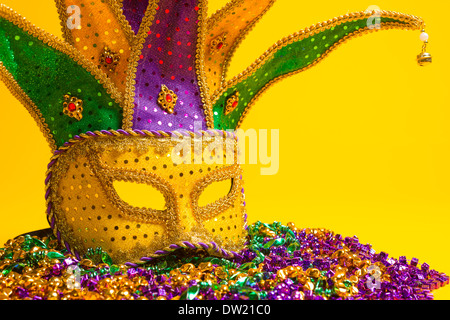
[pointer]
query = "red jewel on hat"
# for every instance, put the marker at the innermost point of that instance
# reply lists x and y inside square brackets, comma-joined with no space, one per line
[218,43]
[72,107]
[167,99]
[232,103]
[109,60]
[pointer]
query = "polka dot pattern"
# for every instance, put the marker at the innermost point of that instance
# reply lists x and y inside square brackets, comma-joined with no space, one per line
[169,58]
[286,60]
[234,21]
[89,210]
[46,75]
[134,11]
[99,27]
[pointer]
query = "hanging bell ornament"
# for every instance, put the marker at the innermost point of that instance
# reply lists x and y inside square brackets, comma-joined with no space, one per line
[424,58]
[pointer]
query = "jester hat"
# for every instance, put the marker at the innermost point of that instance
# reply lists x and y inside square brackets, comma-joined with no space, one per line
[132,80]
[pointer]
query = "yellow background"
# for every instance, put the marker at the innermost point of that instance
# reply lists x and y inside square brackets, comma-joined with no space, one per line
[364,136]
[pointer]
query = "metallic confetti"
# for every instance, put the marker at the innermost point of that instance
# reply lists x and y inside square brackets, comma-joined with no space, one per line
[278,263]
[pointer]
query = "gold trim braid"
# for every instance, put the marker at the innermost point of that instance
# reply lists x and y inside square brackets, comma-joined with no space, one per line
[102,28]
[57,44]
[409,22]
[23,98]
[62,13]
[200,64]
[136,52]
[147,21]
[276,80]
[223,13]
[116,9]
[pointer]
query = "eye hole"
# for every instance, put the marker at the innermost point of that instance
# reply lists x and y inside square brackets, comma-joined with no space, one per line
[215,191]
[140,195]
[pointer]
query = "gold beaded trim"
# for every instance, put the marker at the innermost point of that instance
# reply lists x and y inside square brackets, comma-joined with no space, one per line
[148,215]
[67,34]
[386,26]
[214,209]
[200,63]
[116,9]
[73,102]
[105,177]
[23,98]
[147,21]
[222,14]
[134,61]
[411,22]
[57,44]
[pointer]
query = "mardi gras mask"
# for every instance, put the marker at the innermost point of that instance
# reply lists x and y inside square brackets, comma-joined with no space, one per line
[131,77]
[88,211]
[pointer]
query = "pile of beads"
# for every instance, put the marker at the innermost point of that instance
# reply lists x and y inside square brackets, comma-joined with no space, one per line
[278,263]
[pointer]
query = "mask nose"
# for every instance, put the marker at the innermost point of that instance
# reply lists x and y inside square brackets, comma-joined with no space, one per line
[185,207]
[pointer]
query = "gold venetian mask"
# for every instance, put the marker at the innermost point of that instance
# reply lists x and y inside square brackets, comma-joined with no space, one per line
[87,210]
